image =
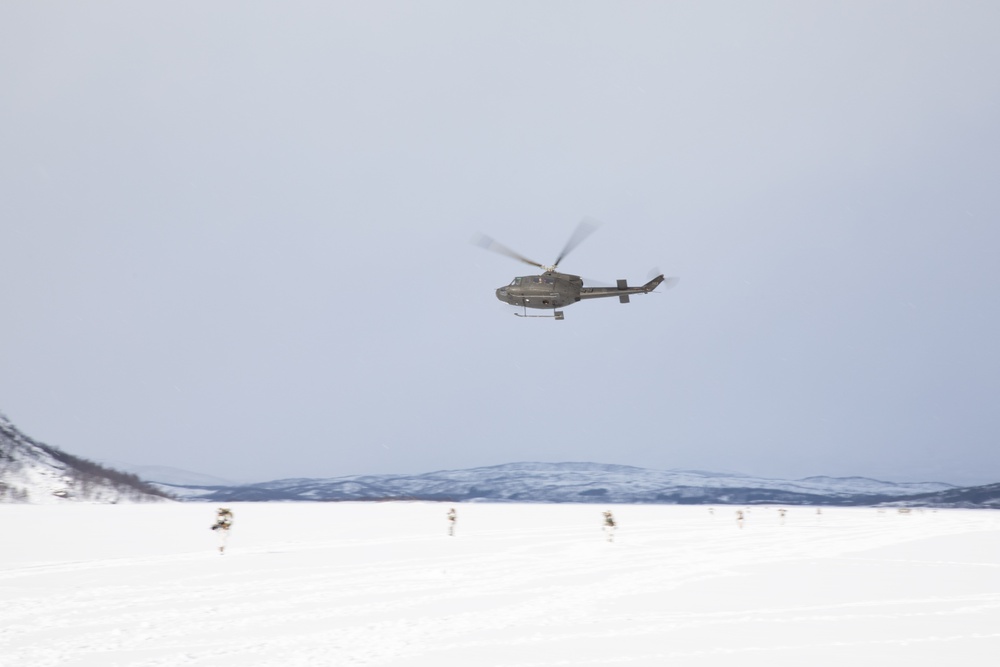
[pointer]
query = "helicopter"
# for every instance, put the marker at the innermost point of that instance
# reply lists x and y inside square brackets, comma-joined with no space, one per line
[552,289]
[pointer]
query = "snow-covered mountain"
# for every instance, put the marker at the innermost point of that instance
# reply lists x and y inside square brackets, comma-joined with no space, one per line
[570,482]
[33,472]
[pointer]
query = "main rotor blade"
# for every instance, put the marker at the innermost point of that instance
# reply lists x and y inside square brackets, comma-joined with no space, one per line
[486,242]
[582,231]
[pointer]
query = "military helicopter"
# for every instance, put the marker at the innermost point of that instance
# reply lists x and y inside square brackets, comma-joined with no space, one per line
[554,290]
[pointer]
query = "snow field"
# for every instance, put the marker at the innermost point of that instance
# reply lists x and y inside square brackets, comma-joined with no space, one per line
[518,586]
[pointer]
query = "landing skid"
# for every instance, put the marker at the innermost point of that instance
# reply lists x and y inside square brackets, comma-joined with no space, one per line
[557,314]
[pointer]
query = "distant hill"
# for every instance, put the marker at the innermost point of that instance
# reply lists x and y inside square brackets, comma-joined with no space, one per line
[986,496]
[571,482]
[33,472]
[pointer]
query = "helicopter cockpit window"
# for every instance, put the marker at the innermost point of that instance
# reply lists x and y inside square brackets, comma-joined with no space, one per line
[515,282]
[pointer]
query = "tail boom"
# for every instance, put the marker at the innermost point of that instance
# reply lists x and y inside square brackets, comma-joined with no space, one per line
[622,291]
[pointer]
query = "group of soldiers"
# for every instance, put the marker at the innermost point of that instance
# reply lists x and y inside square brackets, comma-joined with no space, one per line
[741,515]
[609,524]
[224,523]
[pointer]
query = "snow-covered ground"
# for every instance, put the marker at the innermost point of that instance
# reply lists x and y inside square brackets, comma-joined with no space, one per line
[519,585]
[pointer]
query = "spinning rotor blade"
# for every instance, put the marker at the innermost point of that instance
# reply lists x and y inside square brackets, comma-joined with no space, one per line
[486,242]
[582,231]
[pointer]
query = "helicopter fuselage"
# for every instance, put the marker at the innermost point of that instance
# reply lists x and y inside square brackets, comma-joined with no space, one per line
[552,290]
[548,290]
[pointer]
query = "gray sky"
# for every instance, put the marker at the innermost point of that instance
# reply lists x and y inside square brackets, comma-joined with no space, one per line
[235,235]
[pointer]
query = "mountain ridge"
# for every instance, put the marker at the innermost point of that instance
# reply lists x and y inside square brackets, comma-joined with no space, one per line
[572,481]
[33,472]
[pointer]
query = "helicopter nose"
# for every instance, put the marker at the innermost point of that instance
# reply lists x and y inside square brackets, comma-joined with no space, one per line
[502,294]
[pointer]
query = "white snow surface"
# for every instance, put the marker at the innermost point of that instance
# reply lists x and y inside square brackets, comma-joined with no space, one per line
[517,586]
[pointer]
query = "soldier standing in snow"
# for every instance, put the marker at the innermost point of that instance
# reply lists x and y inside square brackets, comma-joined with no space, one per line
[223,522]
[452,518]
[609,526]
[739,518]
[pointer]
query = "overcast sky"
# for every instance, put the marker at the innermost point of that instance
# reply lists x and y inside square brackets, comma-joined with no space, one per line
[235,235]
